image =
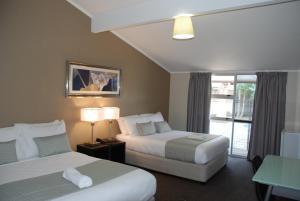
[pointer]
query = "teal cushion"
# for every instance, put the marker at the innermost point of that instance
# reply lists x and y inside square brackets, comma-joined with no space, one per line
[51,145]
[162,127]
[8,152]
[146,128]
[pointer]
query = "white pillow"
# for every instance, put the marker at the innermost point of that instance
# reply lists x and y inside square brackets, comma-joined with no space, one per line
[146,114]
[12,133]
[29,131]
[38,124]
[156,117]
[8,134]
[122,123]
[131,121]
[131,124]
[122,126]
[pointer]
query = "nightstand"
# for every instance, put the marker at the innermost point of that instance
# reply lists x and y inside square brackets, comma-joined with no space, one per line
[114,151]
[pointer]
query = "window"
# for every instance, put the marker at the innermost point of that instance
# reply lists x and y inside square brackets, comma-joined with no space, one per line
[231,109]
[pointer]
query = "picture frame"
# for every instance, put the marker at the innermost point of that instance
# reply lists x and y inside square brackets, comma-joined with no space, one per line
[92,80]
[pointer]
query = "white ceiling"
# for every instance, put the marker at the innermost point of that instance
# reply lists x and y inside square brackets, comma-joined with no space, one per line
[262,38]
[115,14]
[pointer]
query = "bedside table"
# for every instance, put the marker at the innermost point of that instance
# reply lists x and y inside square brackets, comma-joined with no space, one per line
[114,151]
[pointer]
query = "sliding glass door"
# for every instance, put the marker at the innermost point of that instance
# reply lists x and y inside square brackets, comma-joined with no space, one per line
[231,109]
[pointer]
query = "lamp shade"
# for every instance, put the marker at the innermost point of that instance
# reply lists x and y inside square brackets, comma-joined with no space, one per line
[111,112]
[183,27]
[92,114]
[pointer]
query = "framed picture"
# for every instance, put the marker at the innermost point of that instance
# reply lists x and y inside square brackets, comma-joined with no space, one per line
[92,80]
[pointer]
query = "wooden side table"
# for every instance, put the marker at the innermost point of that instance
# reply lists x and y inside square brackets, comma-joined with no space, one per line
[114,151]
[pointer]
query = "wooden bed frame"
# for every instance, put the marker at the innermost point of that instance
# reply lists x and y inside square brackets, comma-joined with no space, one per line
[196,172]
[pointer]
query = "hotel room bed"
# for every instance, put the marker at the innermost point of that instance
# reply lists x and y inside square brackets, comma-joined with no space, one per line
[155,145]
[149,152]
[34,157]
[169,151]
[121,188]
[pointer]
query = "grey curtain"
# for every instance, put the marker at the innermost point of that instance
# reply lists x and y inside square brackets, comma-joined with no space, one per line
[199,102]
[268,114]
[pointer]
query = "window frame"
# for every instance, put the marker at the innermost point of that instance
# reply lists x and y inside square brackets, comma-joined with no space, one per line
[233,97]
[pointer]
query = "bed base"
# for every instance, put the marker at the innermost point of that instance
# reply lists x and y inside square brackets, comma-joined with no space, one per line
[196,172]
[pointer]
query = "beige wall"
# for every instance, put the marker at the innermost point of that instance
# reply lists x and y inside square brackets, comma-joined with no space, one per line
[292,115]
[178,101]
[37,38]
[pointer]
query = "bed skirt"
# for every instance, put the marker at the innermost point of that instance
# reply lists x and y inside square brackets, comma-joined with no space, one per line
[196,172]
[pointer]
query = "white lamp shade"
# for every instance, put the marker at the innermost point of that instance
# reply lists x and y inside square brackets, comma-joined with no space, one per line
[183,27]
[111,112]
[92,114]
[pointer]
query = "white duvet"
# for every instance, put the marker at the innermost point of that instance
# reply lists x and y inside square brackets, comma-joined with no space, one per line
[137,185]
[155,145]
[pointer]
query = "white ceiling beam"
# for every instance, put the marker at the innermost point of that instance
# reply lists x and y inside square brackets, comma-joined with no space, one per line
[160,10]
[79,7]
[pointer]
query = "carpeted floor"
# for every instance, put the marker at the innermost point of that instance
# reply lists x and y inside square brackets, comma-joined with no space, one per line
[232,183]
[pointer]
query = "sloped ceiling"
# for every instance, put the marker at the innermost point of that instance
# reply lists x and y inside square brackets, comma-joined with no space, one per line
[262,38]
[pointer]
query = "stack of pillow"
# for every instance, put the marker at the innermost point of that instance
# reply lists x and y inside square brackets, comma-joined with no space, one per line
[28,141]
[144,124]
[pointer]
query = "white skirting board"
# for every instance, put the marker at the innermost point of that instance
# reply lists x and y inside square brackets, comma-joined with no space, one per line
[196,172]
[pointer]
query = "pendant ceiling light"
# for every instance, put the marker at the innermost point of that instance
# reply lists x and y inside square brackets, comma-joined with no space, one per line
[183,27]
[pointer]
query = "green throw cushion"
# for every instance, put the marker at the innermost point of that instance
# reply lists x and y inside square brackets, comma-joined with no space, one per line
[51,145]
[146,128]
[8,152]
[162,127]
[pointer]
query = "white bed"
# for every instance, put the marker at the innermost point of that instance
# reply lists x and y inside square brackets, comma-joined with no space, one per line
[123,188]
[28,162]
[148,151]
[155,145]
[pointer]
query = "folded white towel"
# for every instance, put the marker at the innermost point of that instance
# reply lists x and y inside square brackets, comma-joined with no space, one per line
[72,175]
[197,137]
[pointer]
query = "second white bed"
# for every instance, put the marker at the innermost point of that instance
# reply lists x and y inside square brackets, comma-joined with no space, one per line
[155,145]
[123,188]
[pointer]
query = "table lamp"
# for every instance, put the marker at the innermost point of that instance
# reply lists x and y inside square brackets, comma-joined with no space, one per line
[92,115]
[111,113]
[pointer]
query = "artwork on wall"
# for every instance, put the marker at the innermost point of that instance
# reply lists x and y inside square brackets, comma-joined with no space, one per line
[92,80]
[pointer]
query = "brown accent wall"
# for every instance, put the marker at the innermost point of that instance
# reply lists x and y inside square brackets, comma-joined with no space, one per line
[37,38]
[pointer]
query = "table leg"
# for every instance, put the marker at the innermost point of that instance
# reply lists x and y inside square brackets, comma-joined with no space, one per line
[268,194]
